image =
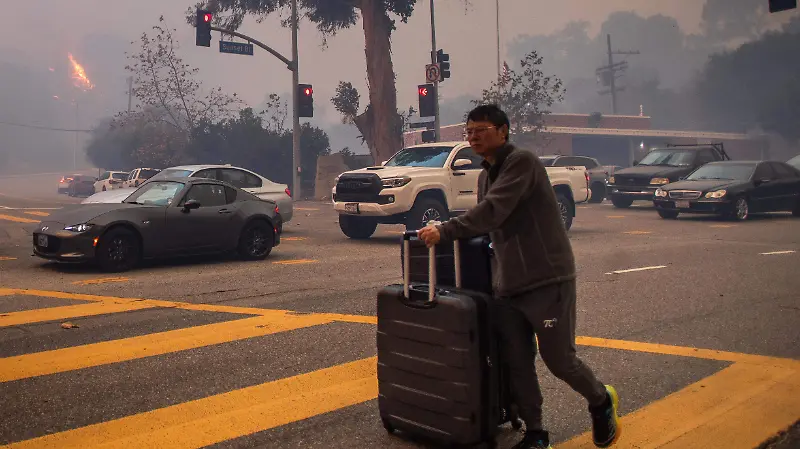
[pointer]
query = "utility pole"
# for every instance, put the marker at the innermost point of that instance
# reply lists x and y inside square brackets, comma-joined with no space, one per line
[497,16]
[608,73]
[130,92]
[296,188]
[437,125]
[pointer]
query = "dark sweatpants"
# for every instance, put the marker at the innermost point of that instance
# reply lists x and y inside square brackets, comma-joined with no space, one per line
[549,312]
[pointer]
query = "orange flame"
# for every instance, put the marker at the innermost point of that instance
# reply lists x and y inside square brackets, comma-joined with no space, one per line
[79,77]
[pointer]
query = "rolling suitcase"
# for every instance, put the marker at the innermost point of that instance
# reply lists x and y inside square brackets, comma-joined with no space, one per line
[476,260]
[438,370]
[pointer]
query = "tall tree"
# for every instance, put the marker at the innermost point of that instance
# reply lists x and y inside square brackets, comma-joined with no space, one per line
[526,97]
[330,16]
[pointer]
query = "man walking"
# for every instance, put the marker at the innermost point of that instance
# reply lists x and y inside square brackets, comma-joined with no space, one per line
[534,276]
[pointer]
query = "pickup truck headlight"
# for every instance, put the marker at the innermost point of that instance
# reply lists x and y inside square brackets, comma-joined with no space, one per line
[83,227]
[611,180]
[716,194]
[661,193]
[659,181]
[399,181]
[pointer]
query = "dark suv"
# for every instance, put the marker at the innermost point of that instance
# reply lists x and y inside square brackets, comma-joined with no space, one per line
[660,166]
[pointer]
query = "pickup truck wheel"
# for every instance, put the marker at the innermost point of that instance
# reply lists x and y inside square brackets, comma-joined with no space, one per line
[565,208]
[668,214]
[598,192]
[425,210]
[621,201]
[358,228]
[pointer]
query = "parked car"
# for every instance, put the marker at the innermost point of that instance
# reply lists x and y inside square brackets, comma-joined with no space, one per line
[598,174]
[110,180]
[140,175]
[241,178]
[659,167]
[794,162]
[81,185]
[63,184]
[733,189]
[164,218]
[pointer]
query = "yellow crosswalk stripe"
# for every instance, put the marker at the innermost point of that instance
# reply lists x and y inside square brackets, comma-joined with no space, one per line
[222,417]
[37,213]
[17,219]
[68,312]
[115,351]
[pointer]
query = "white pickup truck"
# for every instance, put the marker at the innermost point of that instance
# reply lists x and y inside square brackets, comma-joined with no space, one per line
[427,182]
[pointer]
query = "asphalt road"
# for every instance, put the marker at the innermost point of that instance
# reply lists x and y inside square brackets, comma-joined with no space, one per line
[695,321]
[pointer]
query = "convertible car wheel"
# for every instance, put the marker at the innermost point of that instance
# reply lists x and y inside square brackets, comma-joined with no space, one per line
[256,241]
[118,250]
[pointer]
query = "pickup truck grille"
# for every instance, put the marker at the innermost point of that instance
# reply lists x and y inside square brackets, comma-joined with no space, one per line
[684,194]
[622,180]
[359,188]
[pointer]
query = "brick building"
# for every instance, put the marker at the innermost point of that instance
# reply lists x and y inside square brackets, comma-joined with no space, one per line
[614,139]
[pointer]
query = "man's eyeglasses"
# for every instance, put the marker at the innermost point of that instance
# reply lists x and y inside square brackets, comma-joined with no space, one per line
[475,131]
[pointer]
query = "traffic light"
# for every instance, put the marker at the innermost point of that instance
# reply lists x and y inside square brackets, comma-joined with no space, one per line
[782,5]
[427,100]
[444,64]
[203,27]
[305,95]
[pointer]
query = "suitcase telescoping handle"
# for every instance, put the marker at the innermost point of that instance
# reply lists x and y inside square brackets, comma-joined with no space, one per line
[431,265]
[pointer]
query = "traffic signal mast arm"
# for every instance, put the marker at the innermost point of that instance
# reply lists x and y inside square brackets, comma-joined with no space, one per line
[289,64]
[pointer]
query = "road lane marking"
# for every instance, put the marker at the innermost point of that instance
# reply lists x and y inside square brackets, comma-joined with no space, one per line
[309,209]
[100,281]
[2,258]
[37,213]
[17,219]
[68,312]
[295,262]
[632,270]
[637,232]
[115,351]
[222,417]
[737,408]
[615,216]
[30,208]
[722,226]
[293,239]
[775,253]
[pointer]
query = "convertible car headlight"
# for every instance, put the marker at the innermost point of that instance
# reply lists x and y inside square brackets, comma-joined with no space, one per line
[395,182]
[661,193]
[716,194]
[659,181]
[83,227]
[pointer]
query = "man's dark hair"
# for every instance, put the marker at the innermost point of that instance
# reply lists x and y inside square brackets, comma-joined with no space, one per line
[490,113]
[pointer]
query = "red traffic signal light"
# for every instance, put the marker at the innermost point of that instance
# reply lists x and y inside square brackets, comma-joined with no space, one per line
[207,18]
[308,91]
[423,91]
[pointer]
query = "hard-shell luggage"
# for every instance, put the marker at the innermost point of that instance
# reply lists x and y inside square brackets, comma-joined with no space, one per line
[438,372]
[476,260]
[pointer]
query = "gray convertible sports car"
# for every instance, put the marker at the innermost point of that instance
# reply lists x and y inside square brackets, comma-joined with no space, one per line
[164,218]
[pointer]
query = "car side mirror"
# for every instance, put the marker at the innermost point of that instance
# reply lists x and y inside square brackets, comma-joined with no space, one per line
[682,178]
[191,204]
[762,181]
[635,162]
[462,163]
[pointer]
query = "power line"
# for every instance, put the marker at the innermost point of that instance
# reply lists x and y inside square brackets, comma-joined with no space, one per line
[47,128]
[608,73]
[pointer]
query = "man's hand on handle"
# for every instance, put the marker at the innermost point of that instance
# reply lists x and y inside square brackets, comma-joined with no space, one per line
[430,235]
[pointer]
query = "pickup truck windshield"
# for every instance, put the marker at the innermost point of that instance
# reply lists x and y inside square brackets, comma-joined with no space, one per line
[672,158]
[420,157]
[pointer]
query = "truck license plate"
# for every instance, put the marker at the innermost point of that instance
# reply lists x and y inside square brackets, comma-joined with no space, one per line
[41,240]
[682,204]
[351,208]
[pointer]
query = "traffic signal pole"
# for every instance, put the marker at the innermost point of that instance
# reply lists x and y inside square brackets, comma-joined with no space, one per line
[436,123]
[294,66]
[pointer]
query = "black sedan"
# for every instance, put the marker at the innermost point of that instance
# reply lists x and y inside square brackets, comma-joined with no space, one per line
[162,218]
[733,189]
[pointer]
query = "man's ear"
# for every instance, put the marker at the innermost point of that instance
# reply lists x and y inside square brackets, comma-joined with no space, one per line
[505,131]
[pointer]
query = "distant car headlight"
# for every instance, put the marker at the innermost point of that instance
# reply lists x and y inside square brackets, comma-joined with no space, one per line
[659,181]
[611,180]
[716,194]
[661,193]
[395,182]
[83,227]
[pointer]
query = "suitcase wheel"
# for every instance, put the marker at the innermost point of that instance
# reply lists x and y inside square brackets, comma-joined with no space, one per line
[516,423]
[387,426]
